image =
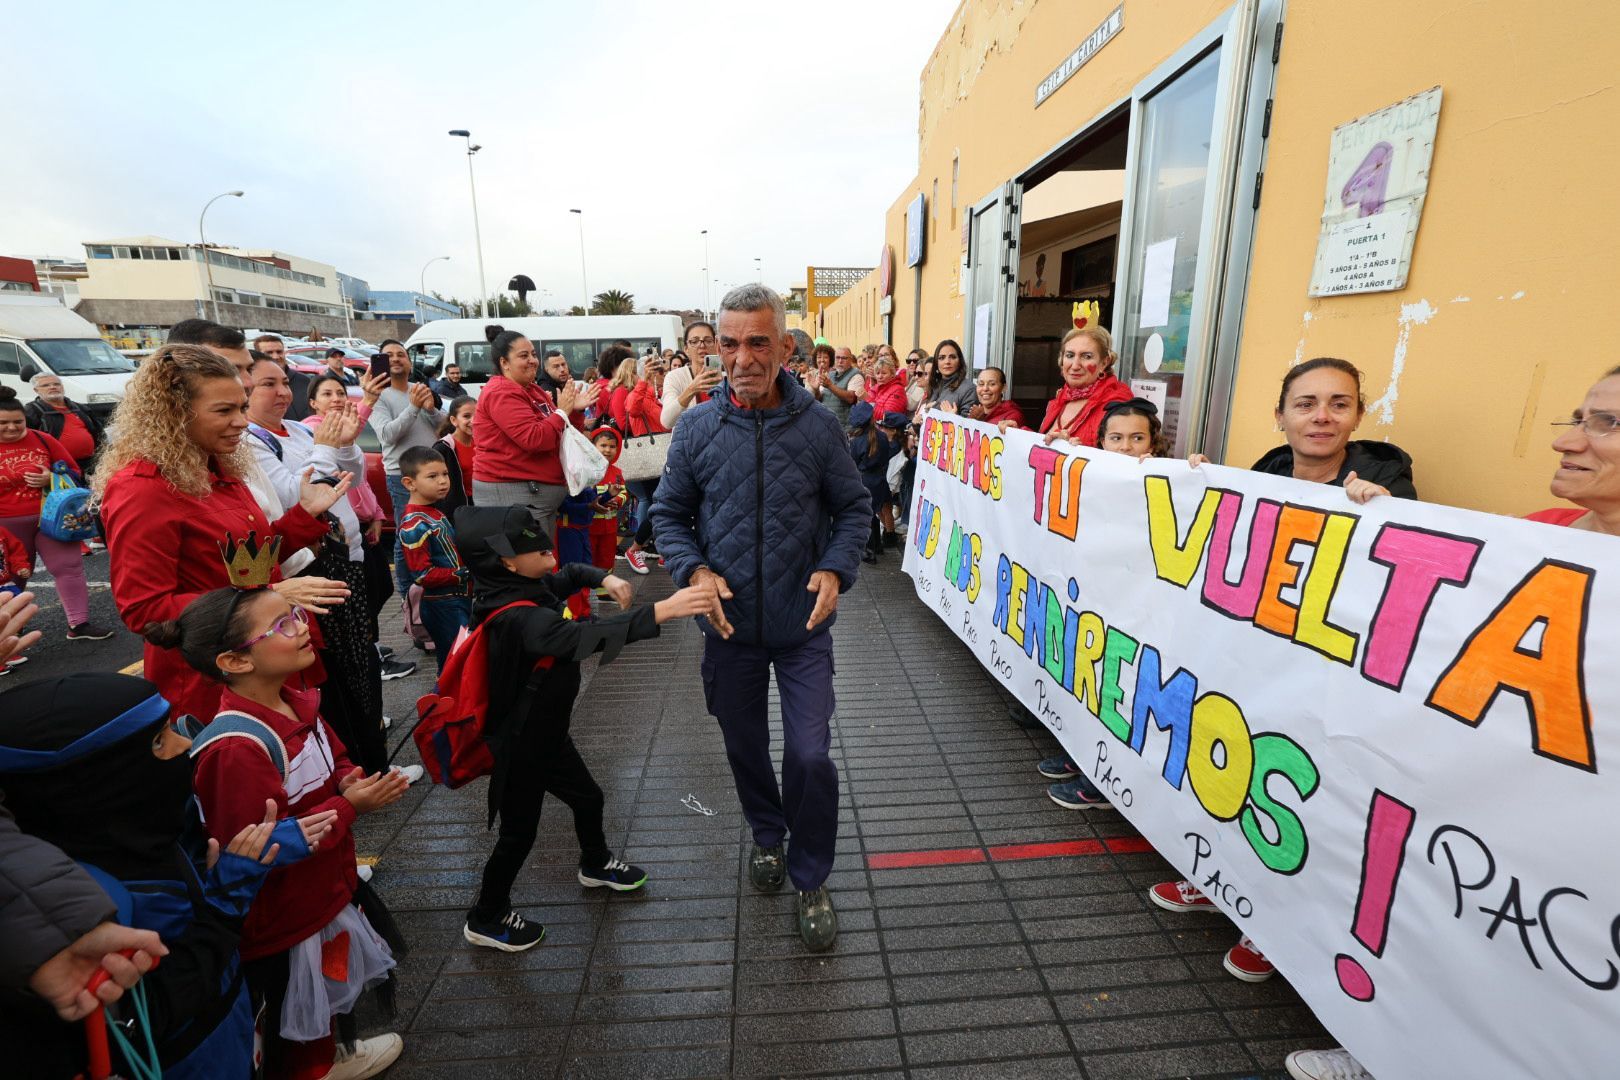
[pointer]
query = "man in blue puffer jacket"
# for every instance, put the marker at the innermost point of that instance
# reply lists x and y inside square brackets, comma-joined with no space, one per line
[761,502]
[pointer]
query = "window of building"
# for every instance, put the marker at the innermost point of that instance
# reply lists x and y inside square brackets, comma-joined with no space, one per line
[16,286]
[100,251]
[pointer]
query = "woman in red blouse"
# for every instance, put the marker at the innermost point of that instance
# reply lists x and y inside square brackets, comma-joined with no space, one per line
[518,430]
[26,458]
[1589,473]
[170,490]
[1089,387]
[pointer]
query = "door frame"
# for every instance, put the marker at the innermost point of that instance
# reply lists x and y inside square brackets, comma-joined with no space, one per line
[1245,84]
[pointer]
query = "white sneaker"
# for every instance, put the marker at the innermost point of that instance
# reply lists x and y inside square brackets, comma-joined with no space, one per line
[1325,1065]
[362,871]
[411,773]
[370,1057]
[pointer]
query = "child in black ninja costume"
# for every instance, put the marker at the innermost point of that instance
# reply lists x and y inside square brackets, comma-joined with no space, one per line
[90,763]
[513,563]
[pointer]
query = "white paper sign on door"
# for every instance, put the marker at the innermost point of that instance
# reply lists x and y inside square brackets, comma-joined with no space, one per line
[1158,264]
[1152,390]
[981,336]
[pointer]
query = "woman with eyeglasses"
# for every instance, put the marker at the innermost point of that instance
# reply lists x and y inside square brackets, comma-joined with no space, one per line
[920,366]
[1589,473]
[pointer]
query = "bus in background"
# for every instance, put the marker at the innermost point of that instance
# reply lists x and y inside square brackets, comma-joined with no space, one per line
[581,338]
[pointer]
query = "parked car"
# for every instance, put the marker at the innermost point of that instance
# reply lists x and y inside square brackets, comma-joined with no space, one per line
[372,448]
[310,358]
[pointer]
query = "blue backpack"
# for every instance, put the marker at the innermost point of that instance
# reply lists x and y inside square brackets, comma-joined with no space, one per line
[66,514]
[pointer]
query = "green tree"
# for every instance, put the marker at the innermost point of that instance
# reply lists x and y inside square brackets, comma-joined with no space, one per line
[613,302]
[576,310]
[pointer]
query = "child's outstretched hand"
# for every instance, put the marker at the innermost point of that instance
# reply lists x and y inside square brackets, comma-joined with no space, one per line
[619,589]
[694,600]
[249,843]
[368,793]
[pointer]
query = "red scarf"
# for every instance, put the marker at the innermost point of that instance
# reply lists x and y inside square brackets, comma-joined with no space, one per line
[1067,393]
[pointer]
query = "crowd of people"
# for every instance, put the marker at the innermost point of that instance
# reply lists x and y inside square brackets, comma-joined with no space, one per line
[249,552]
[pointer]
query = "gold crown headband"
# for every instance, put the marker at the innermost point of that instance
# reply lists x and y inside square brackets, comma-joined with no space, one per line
[248,563]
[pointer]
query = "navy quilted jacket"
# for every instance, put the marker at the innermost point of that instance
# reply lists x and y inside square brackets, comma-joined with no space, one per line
[764,498]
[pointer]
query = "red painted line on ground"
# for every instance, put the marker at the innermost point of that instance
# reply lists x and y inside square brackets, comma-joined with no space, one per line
[900,860]
[895,860]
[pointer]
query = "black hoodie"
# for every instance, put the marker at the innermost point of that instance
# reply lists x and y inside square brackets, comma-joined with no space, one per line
[1382,463]
[522,637]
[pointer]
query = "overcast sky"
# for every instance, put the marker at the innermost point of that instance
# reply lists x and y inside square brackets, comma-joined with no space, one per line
[786,130]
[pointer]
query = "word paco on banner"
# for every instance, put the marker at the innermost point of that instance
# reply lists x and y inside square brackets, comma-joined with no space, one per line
[1371,734]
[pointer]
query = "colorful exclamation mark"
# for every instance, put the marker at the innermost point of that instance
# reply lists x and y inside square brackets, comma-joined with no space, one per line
[1389,823]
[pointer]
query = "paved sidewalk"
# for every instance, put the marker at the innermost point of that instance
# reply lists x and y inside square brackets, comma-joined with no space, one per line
[1002,966]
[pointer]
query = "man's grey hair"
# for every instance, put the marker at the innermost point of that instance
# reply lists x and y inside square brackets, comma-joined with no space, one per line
[757,297]
[42,376]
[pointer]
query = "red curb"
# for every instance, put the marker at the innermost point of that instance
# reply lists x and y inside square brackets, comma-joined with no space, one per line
[899,860]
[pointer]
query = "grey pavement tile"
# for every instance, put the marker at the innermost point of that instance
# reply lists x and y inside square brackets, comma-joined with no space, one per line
[654,1005]
[975,1012]
[803,997]
[1042,1068]
[946,914]
[968,958]
[937,937]
[1092,977]
[985,1044]
[1137,1032]
[847,1055]
[597,1037]
[1206,1060]
[676,977]
[665,1064]
[1129,1001]
[472,1013]
[820,1024]
[474,1044]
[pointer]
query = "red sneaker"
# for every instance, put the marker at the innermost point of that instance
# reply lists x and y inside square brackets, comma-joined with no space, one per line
[1244,961]
[637,561]
[1179,896]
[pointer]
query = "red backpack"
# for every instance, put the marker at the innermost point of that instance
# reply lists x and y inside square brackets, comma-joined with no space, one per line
[450,733]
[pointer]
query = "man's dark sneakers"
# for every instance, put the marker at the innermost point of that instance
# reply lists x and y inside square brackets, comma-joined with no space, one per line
[510,933]
[617,875]
[397,669]
[818,922]
[767,868]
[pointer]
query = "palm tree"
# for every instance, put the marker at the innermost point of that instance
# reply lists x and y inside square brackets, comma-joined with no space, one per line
[613,302]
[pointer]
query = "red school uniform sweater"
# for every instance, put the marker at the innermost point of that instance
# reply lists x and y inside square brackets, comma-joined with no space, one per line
[234,777]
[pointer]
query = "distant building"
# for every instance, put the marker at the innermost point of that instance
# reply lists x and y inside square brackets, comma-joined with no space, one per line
[410,305]
[17,275]
[60,278]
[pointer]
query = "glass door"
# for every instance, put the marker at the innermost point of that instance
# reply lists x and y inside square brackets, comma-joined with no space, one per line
[989,280]
[1181,198]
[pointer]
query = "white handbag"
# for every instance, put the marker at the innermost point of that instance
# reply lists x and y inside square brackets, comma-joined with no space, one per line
[642,457]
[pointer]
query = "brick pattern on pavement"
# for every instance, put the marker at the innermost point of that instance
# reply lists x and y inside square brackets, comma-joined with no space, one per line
[996,968]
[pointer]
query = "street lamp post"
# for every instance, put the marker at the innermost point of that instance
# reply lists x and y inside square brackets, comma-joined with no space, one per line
[759,271]
[478,239]
[706,313]
[583,279]
[203,245]
[423,275]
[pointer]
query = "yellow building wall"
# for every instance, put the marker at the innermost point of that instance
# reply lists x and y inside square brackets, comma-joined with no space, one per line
[977,109]
[1505,319]
[1516,255]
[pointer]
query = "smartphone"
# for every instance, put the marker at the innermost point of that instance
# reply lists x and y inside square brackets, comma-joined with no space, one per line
[378,365]
[712,362]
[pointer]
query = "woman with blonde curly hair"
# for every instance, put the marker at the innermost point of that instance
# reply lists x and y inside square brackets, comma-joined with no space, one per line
[171,491]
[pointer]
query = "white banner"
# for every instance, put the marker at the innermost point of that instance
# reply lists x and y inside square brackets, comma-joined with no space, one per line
[1371,734]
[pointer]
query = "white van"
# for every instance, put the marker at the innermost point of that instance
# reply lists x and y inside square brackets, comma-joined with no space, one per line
[581,338]
[38,335]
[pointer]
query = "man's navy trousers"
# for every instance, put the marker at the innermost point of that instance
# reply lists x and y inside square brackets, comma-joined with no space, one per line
[804,809]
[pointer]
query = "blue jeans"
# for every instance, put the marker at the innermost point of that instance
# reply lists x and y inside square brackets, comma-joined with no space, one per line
[443,617]
[400,498]
[736,686]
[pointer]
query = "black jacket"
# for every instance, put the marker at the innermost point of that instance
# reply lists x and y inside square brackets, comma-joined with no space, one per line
[457,496]
[41,417]
[1382,463]
[299,382]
